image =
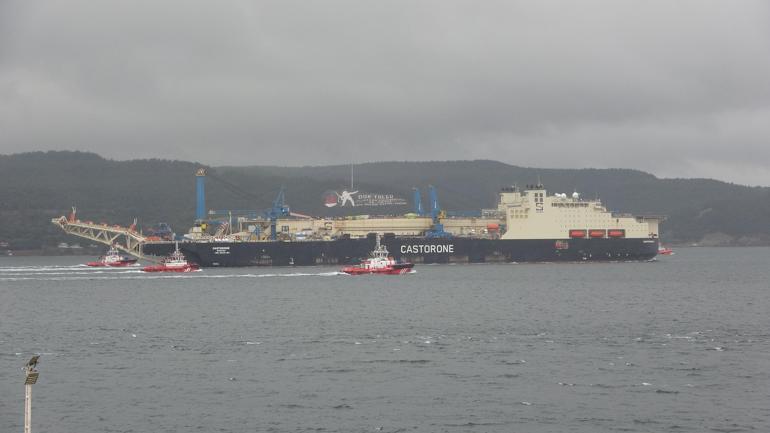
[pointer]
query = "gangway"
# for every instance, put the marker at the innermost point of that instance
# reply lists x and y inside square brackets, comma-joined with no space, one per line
[125,239]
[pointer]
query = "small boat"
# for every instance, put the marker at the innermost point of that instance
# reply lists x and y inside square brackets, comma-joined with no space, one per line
[175,262]
[380,262]
[113,258]
[665,251]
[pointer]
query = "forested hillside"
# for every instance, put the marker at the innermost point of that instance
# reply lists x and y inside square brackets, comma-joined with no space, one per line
[39,186]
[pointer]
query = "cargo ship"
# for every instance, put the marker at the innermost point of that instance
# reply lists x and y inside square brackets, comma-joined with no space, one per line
[528,225]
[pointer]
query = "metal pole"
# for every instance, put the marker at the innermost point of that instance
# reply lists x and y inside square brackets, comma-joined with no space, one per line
[31,375]
[200,188]
[28,410]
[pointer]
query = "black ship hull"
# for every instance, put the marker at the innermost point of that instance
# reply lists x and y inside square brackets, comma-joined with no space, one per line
[413,249]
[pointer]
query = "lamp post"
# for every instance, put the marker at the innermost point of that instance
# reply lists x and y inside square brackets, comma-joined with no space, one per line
[30,379]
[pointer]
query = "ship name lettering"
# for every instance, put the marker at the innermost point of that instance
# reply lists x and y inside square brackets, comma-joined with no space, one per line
[427,249]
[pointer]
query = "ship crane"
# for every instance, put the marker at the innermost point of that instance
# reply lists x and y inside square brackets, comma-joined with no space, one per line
[279,209]
[436,214]
[418,209]
[125,239]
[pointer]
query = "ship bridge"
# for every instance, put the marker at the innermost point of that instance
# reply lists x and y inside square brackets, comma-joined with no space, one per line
[125,239]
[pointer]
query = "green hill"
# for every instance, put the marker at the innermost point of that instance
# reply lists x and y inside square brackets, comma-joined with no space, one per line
[42,185]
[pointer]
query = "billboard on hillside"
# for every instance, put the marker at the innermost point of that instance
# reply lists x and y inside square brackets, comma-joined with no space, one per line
[347,198]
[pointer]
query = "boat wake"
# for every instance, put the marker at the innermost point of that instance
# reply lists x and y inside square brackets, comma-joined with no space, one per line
[76,274]
[52,268]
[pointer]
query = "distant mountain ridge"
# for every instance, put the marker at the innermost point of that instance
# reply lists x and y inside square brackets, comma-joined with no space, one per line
[39,186]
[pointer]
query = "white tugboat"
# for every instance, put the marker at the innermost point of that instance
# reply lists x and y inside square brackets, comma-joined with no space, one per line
[113,258]
[175,262]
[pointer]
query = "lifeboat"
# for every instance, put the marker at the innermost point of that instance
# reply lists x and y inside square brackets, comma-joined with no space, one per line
[380,262]
[616,233]
[113,258]
[175,262]
[577,233]
[596,233]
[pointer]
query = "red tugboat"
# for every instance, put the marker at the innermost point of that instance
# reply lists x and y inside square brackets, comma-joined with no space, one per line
[665,251]
[113,258]
[379,263]
[173,263]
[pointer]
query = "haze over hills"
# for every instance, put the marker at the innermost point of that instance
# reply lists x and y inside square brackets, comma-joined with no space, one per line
[42,185]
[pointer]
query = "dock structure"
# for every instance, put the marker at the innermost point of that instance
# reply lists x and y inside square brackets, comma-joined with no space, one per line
[125,239]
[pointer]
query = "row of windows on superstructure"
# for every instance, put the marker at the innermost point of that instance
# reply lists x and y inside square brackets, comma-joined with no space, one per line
[579,204]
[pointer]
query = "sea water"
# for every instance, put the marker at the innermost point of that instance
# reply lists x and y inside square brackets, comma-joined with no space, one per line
[677,345]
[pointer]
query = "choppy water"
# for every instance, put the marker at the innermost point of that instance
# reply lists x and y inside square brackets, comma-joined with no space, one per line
[680,345]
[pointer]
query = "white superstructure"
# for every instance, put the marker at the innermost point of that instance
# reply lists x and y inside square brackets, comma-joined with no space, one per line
[533,214]
[521,214]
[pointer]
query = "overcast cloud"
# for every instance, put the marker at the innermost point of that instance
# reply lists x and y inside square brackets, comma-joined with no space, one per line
[676,88]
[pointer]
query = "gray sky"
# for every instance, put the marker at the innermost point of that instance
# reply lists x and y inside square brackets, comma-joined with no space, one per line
[676,88]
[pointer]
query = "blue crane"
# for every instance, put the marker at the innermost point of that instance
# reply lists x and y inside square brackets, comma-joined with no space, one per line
[279,209]
[436,214]
[418,203]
